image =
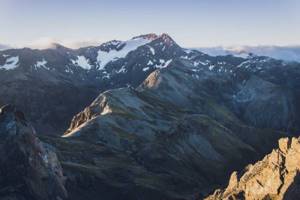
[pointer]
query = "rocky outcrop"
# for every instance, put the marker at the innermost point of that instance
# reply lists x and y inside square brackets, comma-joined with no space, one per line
[29,168]
[276,177]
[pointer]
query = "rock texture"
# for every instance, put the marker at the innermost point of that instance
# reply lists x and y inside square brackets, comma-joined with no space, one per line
[29,168]
[276,177]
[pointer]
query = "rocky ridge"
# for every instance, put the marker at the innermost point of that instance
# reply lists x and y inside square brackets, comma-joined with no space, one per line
[276,177]
[190,111]
[29,168]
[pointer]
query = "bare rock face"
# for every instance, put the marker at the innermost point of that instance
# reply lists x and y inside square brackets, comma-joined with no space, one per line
[29,168]
[276,177]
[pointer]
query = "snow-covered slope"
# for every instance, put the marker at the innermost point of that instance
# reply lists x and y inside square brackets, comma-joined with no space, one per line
[83,62]
[121,50]
[10,63]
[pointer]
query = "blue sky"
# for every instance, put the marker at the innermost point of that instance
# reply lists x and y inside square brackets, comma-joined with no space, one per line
[192,23]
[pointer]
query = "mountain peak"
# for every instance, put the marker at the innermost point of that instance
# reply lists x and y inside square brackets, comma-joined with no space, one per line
[152,36]
[149,36]
[167,39]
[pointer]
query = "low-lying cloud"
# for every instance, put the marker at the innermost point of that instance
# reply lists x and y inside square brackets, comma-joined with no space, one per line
[288,53]
[47,42]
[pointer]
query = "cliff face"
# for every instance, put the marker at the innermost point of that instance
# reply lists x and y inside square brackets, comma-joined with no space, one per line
[276,177]
[29,168]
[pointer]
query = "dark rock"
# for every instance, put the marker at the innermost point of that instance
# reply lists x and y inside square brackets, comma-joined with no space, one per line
[29,168]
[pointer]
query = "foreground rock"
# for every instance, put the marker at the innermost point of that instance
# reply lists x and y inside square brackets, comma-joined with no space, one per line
[276,177]
[29,168]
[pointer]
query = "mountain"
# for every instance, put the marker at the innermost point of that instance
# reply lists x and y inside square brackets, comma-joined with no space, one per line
[52,85]
[29,168]
[164,123]
[277,176]
[43,83]
[287,53]
[186,126]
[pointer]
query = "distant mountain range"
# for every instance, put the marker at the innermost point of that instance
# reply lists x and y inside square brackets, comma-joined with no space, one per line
[27,75]
[287,53]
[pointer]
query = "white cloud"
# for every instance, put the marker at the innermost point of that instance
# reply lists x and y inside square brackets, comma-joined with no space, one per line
[48,42]
[289,53]
[42,43]
[3,47]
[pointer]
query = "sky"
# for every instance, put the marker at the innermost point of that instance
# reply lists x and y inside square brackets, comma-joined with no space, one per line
[191,23]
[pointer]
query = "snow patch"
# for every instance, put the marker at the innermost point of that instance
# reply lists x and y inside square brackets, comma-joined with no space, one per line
[243,64]
[188,51]
[82,62]
[196,63]
[105,57]
[211,67]
[152,50]
[122,70]
[150,62]
[163,63]
[145,69]
[40,64]
[10,63]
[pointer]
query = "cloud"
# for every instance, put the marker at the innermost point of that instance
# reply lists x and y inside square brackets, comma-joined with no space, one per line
[78,44]
[288,53]
[48,42]
[42,43]
[3,47]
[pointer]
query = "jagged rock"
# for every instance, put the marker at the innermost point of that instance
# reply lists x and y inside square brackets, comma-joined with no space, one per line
[29,168]
[276,177]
